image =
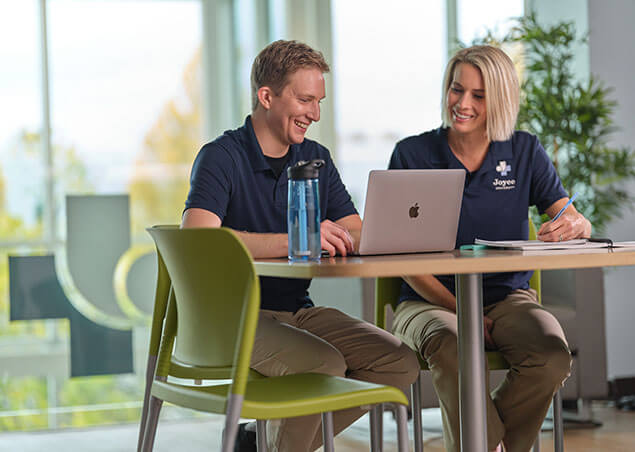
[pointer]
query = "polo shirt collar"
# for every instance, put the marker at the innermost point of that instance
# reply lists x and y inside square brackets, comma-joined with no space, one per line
[445,154]
[498,150]
[254,151]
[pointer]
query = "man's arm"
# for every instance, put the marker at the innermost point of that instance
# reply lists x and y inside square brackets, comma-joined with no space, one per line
[571,224]
[335,235]
[260,245]
[430,288]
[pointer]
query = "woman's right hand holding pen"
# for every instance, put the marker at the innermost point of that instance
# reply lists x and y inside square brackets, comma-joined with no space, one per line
[566,224]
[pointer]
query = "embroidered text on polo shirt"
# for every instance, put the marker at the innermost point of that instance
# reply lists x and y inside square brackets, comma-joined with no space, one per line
[504,184]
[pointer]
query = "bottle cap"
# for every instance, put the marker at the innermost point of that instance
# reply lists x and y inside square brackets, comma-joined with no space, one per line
[305,170]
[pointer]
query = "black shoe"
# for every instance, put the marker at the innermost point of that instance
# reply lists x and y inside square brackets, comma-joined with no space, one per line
[245,440]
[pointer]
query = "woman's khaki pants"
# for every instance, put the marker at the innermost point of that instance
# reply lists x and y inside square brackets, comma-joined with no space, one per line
[530,339]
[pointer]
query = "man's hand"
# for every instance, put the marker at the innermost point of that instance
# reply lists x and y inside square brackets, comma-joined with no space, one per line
[335,238]
[488,325]
[568,227]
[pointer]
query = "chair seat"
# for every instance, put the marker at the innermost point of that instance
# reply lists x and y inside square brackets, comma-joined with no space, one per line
[495,361]
[183,370]
[281,397]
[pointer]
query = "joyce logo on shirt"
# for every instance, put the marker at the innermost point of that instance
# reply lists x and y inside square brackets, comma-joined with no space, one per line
[503,184]
[503,168]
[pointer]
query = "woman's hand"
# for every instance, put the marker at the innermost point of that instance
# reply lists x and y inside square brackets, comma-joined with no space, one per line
[569,226]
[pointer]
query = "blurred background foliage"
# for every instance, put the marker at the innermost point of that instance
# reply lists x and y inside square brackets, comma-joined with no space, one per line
[572,118]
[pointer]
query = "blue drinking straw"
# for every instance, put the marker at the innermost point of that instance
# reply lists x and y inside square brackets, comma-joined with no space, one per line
[302,236]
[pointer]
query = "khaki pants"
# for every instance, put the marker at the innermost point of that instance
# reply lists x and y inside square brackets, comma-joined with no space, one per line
[529,338]
[327,341]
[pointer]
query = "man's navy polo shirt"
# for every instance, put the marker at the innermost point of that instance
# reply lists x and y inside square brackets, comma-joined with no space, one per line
[231,178]
[514,175]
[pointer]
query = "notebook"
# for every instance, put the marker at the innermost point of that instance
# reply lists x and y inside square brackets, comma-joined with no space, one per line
[537,245]
[411,211]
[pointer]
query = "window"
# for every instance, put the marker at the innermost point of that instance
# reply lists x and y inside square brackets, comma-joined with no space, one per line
[125,110]
[125,101]
[387,70]
[22,159]
[476,18]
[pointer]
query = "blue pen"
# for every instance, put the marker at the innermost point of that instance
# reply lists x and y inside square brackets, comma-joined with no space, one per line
[565,207]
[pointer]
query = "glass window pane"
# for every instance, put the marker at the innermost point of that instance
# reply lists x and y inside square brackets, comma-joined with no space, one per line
[126,101]
[21,156]
[387,71]
[476,18]
[125,83]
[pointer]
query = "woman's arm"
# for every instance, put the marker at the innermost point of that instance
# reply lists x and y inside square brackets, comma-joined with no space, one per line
[430,288]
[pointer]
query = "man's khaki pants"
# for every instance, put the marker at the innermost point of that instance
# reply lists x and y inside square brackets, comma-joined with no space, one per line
[326,341]
[530,339]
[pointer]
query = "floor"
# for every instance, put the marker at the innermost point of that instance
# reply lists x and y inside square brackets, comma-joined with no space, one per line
[617,434]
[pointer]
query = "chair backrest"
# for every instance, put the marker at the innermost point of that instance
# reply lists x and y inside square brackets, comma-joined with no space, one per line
[387,289]
[217,295]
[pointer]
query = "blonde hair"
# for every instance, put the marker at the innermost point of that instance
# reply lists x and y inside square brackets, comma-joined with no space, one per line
[280,59]
[502,92]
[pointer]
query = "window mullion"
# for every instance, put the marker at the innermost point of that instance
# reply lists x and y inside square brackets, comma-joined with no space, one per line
[49,221]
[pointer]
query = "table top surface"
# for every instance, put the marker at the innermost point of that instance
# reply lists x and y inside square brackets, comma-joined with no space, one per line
[451,262]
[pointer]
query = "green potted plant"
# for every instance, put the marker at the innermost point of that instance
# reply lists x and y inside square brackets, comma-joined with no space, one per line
[572,119]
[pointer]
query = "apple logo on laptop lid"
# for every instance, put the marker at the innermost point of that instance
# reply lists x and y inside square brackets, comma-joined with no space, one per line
[413,212]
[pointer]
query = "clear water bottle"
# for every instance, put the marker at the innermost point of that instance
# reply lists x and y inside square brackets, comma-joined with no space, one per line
[303,211]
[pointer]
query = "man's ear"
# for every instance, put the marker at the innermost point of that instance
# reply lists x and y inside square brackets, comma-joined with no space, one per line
[265,94]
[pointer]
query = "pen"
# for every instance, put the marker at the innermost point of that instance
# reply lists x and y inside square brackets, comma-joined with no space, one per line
[565,207]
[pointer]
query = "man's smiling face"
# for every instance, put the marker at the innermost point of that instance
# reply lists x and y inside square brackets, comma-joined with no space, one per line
[297,106]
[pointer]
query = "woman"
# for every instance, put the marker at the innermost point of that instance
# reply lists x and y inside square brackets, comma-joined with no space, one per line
[507,172]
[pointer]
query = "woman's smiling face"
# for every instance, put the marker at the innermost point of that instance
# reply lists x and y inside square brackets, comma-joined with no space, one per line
[466,100]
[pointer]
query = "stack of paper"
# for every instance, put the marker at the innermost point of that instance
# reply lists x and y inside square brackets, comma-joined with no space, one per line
[623,245]
[535,245]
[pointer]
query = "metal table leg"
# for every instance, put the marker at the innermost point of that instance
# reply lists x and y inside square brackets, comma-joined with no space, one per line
[472,408]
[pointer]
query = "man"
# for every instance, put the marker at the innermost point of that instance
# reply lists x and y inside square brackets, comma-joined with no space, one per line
[240,181]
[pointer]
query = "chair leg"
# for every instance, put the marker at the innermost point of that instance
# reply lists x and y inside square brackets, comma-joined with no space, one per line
[558,426]
[261,435]
[232,416]
[402,428]
[327,431]
[375,426]
[154,410]
[416,415]
[152,363]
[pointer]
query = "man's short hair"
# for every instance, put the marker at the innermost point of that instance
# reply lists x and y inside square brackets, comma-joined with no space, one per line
[280,59]
[502,92]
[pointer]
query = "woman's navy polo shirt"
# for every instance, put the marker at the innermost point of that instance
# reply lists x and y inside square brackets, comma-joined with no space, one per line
[231,178]
[515,174]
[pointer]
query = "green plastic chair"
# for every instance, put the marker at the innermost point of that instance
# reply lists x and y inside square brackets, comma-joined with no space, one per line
[387,292]
[216,293]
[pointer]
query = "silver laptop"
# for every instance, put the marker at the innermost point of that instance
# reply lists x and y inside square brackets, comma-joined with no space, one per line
[411,211]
